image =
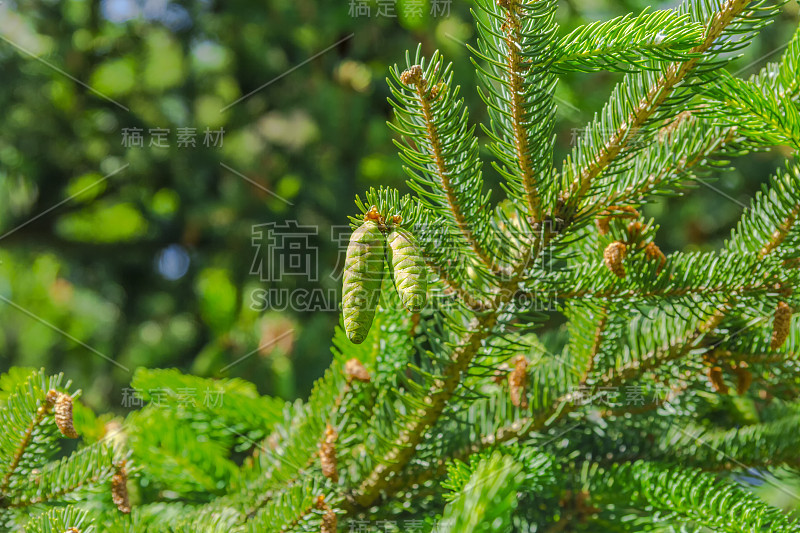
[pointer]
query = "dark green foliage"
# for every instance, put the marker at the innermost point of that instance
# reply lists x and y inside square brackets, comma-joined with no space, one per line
[685,495]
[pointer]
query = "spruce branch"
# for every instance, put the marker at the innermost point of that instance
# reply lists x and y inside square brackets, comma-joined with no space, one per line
[776,229]
[87,467]
[434,403]
[26,407]
[40,414]
[772,442]
[771,219]
[624,43]
[687,496]
[514,43]
[496,479]
[688,148]
[453,288]
[441,150]
[685,149]
[757,112]
[68,519]
[404,448]
[442,389]
[712,277]
[650,101]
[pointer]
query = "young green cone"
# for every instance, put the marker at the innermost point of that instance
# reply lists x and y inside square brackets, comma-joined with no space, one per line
[408,268]
[363,274]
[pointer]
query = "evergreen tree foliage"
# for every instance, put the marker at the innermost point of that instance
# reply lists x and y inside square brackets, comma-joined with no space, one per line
[672,380]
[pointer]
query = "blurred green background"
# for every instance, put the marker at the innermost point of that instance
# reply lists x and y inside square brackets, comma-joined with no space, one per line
[145,254]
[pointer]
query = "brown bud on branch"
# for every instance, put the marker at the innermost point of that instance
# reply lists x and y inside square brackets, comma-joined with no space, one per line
[781,324]
[119,488]
[517,380]
[327,454]
[355,371]
[613,256]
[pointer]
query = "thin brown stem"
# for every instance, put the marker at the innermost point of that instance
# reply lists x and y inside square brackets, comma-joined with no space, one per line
[780,233]
[443,173]
[516,71]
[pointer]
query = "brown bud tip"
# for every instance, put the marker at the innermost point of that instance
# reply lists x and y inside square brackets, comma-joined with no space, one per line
[355,371]
[781,324]
[437,90]
[613,256]
[327,454]
[615,212]
[373,214]
[715,377]
[52,396]
[603,225]
[517,380]
[329,522]
[397,219]
[63,410]
[119,489]
[635,229]
[320,503]
[412,75]
[654,253]
[743,379]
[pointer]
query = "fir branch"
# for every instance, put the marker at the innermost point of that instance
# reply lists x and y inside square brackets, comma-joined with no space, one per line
[622,43]
[756,112]
[687,496]
[61,520]
[678,348]
[434,403]
[683,153]
[443,388]
[561,407]
[771,219]
[41,412]
[714,277]
[89,466]
[688,146]
[453,288]
[782,75]
[436,136]
[292,507]
[579,343]
[232,403]
[289,455]
[650,101]
[514,41]
[21,417]
[495,479]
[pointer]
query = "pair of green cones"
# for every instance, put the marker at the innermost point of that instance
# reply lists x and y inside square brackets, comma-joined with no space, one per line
[368,251]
